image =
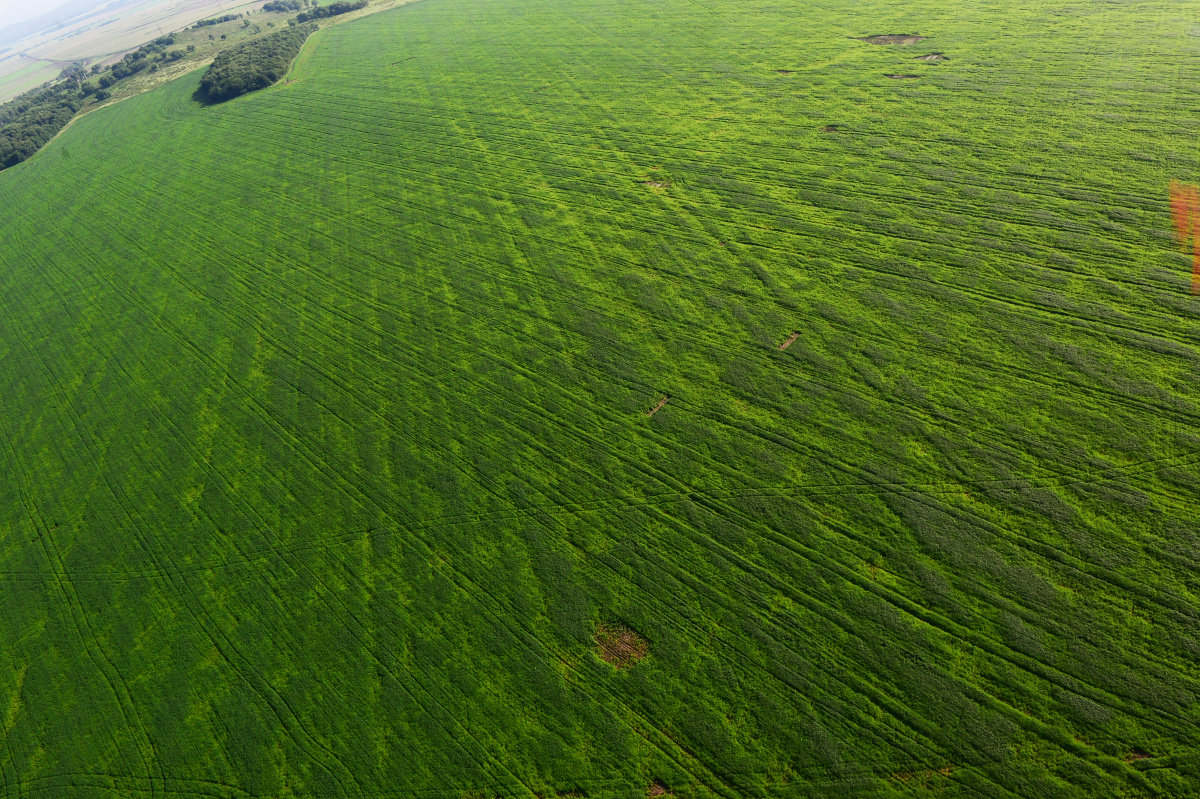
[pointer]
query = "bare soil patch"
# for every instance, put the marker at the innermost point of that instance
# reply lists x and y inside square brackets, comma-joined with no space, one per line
[656,408]
[620,646]
[1136,755]
[933,57]
[657,789]
[831,129]
[784,71]
[791,339]
[657,184]
[903,77]
[891,38]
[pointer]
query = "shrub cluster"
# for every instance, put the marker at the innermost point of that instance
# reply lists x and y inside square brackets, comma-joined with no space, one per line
[283,5]
[331,10]
[253,65]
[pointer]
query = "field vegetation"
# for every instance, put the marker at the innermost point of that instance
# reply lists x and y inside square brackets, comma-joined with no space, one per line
[330,468]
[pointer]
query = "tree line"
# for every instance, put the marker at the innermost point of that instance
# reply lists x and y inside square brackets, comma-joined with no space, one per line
[331,10]
[216,20]
[254,64]
[30,120]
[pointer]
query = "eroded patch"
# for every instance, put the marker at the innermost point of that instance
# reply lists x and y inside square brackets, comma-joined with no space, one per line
[932,57]
[891,38]
[620,646]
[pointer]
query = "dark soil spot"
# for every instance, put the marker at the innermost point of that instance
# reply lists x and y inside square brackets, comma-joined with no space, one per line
[904,77]
[1135,755]
[784,71]
[620,646]
[933,57]
[891,38]
[831,129]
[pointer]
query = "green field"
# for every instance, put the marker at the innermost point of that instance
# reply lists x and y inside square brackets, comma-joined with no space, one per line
[324,432]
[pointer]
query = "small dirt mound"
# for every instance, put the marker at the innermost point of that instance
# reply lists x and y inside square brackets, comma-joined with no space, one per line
[619,645]
[932,57]
[891,38]
[831,129]
[903,77]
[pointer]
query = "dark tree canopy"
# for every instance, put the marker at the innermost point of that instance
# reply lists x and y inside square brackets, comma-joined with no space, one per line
[32,119]
[253,65]
[331,10]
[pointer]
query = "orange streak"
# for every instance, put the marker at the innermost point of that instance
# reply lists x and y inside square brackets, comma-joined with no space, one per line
[1192,196]
[1195,266]
[1179,213]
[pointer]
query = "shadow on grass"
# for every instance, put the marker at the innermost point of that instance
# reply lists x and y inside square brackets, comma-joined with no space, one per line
[204,98]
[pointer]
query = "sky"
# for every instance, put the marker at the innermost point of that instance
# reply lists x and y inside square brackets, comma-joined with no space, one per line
[14,11]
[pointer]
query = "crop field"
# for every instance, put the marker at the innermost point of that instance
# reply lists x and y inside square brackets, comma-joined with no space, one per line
[615,399]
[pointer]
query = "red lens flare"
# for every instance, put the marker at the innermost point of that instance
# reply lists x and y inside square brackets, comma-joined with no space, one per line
[1185,211]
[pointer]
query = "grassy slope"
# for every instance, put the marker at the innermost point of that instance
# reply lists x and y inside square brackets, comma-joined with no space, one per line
[324,430]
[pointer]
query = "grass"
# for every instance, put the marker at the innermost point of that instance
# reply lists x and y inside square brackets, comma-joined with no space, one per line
[325,417]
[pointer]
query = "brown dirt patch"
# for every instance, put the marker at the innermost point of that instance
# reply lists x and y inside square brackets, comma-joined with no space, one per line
[932,57]
[656,408]
[831,129]
[657,789]
[903,77]
[1136,755]
[891,38]
[657,184]
[784,71]
[619,645]
[791,340]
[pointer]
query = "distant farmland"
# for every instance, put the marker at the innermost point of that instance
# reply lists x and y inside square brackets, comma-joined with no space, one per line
[329,461]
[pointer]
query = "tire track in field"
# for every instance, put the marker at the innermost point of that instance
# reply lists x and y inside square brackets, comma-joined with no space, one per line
[103,664]
[161,323]
[223,484]
[197,611]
